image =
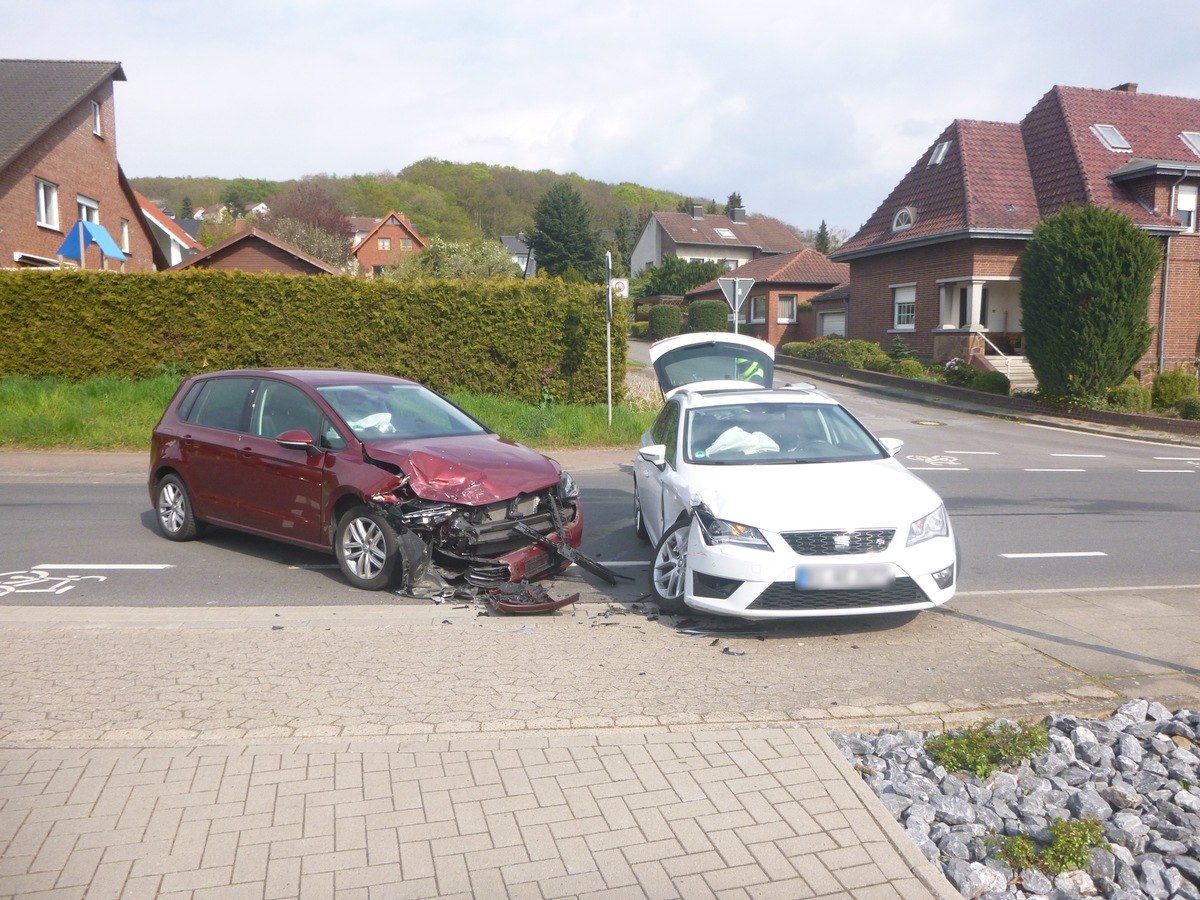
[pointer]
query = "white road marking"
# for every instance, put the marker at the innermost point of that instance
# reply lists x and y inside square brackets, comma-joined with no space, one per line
[974,452]
[48,566]
[1081,455]
[1056,470]
[1177,458]
[938,469]
[1081,590]
[1051,555]
[1177,471]
[316,566]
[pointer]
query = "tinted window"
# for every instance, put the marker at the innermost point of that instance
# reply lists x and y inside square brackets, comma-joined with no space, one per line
[666,430]
[284,407]
[713,362]
[222,403]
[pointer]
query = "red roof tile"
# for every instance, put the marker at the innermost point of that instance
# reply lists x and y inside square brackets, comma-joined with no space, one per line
[805,266]
[767,234]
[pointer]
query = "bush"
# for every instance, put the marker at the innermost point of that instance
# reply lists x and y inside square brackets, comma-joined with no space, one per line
[900,349]
[836,350]
[1171,387]
[992,382]
[1130,396]
[882,364]
[665,321]
[906,367]
[1189,407]
[959,373]
[639,330]
[708,315]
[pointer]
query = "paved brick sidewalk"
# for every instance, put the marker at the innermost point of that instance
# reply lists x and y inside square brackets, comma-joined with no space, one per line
[772,812]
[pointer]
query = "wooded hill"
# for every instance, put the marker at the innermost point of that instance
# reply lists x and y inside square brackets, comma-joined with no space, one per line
[453,201]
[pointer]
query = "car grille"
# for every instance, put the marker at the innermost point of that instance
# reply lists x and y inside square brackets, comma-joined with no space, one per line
[839,543]
[782,596]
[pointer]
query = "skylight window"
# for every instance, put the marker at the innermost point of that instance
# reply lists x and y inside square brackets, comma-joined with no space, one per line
[1192,139]
[938,154]
[903,219]
[1111,138]
[725,233]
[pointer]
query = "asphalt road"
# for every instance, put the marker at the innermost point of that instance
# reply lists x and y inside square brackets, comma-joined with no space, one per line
[1035,508]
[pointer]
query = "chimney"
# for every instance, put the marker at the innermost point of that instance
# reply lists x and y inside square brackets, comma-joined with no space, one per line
[1129,87]
[738,214]
[697,210]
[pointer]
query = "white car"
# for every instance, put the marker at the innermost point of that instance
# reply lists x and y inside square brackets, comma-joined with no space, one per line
[777,503]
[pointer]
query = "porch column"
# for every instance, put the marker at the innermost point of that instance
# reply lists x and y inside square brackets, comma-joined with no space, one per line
[975,306]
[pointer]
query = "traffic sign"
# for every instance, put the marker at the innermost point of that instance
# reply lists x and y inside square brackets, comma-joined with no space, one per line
[735,290]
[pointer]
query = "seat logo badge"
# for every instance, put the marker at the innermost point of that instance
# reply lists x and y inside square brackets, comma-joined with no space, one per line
[841,541]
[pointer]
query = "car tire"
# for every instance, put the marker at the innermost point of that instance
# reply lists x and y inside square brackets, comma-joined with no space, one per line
[639,523]
[173,510]
[668,571]
[367,550]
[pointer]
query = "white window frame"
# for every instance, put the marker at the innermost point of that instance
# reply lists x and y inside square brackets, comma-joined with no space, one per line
[904,219]
[1192,139]
[938,154]
[89,209]
[904,307]
[47,203]
[759,316]
[124,235]
[1185,205]
[384,243]
[783,317]
[96,119]
[1111,137]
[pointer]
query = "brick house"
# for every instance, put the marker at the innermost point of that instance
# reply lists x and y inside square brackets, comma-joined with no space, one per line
[938,263]
[58,165]
[778,308]
[175,243]
[256,251]
[733,240]
[391,240]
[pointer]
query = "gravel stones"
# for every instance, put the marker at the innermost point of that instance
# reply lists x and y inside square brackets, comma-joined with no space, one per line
[1138,773]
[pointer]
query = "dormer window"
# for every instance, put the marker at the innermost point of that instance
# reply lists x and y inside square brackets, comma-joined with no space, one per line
[938,154]
[903,219]
[1111,138]
[1192,139]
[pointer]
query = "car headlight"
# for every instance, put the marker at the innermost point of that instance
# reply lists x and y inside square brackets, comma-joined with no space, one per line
[936,524]
[567,488]
[719,531]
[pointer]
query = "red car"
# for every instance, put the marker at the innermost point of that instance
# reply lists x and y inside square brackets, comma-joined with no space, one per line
[396,481]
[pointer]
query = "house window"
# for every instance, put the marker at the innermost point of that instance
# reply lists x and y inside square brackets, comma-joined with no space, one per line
[938,154]
[787,309]
[95,118]
[47,203]
[729,264]
[1111,138]
[1192,139]
[89,209]
[904,218]
[385,243]
[1185,205]
[758,310]
[904,304]
[124,235]
[405,243]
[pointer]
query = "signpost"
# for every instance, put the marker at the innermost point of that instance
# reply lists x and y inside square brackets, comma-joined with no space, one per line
[735,290]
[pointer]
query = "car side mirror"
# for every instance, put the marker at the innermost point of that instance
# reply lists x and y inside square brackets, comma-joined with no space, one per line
[298,439]
[893,445]
[655,454]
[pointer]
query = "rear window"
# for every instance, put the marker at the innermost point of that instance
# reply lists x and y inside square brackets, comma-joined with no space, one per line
[711,362]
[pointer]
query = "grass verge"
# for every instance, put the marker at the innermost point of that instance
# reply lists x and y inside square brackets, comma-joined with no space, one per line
[110,413]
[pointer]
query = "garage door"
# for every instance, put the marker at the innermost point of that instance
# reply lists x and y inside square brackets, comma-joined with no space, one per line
[832,323]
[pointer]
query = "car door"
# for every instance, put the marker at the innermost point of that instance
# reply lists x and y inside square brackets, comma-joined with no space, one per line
[283,487]
[210,441]
[650,477]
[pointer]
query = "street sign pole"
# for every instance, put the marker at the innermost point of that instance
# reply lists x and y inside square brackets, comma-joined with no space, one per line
[608,326]
[736,290]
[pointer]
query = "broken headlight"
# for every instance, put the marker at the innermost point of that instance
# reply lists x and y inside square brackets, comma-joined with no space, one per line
[720,531]
[933,525]
[567,488]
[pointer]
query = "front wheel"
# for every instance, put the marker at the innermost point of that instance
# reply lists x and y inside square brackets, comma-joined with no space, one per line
[668,571]
[367,550]
[173,510]
[639,521]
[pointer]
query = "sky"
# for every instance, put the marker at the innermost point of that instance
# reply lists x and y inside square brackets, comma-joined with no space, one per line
[810,111]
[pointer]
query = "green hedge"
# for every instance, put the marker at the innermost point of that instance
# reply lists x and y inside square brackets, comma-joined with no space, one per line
[708,315]
[665,321]
[492,336]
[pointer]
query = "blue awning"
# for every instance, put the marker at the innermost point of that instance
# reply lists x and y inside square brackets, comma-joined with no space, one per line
[89,233]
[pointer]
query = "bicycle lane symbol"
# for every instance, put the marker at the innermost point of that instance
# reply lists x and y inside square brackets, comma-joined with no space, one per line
[39,581]
[936,460]
[46,578]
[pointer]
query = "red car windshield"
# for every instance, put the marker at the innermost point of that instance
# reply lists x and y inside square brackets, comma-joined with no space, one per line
[390,412]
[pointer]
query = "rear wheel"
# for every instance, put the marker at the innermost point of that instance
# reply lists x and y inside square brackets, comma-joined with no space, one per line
[173,510]
[668,571]
[367,550]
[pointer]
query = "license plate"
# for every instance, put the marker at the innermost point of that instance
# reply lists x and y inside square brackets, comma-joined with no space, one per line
[836,578]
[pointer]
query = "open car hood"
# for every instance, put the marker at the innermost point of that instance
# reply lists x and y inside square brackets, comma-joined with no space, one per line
[471,469]
[712,356]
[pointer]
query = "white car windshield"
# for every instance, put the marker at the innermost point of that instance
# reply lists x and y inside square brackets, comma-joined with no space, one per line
[390,412]
[758,433]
